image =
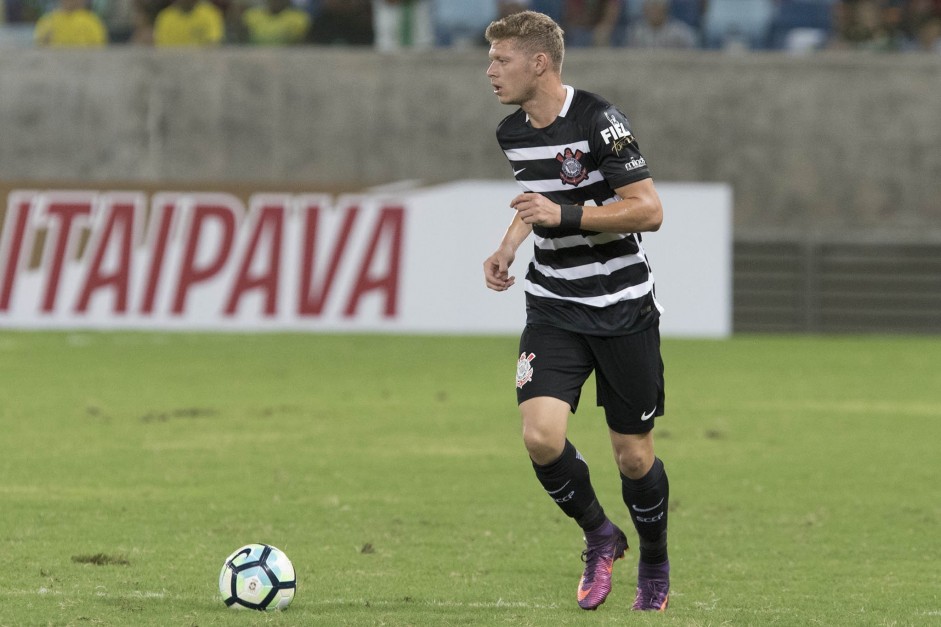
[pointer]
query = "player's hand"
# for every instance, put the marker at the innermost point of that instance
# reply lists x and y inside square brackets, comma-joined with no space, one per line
[536,209]
[497,270]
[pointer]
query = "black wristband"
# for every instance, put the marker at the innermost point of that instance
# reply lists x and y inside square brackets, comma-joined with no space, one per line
[571,217]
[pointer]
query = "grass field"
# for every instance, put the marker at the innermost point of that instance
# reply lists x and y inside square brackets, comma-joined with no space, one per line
[805,481]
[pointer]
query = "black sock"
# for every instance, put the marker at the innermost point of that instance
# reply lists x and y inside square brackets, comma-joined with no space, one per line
[567,481]
[647,500]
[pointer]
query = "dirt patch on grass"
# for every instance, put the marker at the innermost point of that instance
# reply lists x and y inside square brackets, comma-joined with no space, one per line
[180,413]
[101,559]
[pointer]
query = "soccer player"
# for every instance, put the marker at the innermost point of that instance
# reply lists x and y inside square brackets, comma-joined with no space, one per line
[590,300]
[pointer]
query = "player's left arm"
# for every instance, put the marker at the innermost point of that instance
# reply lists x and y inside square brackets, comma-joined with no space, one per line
[638,211]
[638,208]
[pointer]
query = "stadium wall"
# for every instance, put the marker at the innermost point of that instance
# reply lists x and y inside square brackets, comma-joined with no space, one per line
[829,145]
[834,160]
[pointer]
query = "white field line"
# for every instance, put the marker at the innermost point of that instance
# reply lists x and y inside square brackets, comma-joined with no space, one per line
[499,603]
[145,594]
[136,594]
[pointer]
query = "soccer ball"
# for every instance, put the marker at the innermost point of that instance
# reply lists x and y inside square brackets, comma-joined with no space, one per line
[257,577]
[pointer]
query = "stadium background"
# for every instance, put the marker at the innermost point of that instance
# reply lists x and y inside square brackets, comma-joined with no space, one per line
[833,158]
[810,456]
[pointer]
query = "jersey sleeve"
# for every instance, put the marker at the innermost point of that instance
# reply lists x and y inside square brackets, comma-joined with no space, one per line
[616,150]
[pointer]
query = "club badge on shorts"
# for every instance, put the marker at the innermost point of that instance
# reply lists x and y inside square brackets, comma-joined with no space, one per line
[524,369]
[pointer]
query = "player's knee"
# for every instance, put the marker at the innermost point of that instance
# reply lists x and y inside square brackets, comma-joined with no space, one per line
[631,467]
[544,422]
[634,463]
[633,453]
[544,447]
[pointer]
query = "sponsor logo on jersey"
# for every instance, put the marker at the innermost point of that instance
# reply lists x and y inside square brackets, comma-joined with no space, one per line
[573,172]
[616,133]
[524,369]
[634,163]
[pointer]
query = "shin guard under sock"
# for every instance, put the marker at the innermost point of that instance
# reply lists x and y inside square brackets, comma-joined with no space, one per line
[647,500]
[567,481]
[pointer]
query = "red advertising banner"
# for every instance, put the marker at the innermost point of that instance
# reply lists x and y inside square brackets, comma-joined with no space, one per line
[77,256]
[406,261]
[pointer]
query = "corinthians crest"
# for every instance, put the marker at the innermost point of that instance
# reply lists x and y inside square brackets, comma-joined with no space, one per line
[524,369]
[573,172]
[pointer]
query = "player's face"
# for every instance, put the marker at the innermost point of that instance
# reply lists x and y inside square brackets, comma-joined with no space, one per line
[511,73]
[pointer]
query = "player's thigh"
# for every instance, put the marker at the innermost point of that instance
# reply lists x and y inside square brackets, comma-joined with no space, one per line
[553,362]
[629,378]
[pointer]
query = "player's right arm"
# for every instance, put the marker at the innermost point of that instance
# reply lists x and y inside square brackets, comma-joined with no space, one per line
[497,266]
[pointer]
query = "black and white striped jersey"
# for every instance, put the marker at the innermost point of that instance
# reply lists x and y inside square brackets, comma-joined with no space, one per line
[584,281]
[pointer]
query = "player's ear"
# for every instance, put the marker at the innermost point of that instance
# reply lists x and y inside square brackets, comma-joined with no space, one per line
[541,63]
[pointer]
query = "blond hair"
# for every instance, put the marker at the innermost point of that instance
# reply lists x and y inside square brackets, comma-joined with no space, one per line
[534,32]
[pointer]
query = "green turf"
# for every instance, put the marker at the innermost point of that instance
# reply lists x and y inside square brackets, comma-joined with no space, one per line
[805,481]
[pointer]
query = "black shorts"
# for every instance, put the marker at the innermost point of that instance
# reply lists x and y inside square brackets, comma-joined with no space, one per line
[628,372]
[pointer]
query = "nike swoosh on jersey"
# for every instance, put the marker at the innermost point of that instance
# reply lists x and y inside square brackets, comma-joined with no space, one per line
[516,172]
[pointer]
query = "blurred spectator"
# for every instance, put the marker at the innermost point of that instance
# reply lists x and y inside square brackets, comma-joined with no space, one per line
[145,15]
[737,24]
[691,12]
[20,11]
[867,25]
[402,24]
[657,28]
[552,8]
[928,36]
[343,22]
[590,22]
[70,24]
[920,10]
[893,14]
[801,25]
[632,10]
[119,17]
[189,23]
[509,7]
[276,23]
[919,16]
[462,24]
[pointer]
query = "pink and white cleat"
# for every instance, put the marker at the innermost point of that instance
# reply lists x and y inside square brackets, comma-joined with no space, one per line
[599,558]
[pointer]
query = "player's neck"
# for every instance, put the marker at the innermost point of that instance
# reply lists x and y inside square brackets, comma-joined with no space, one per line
[546,105]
